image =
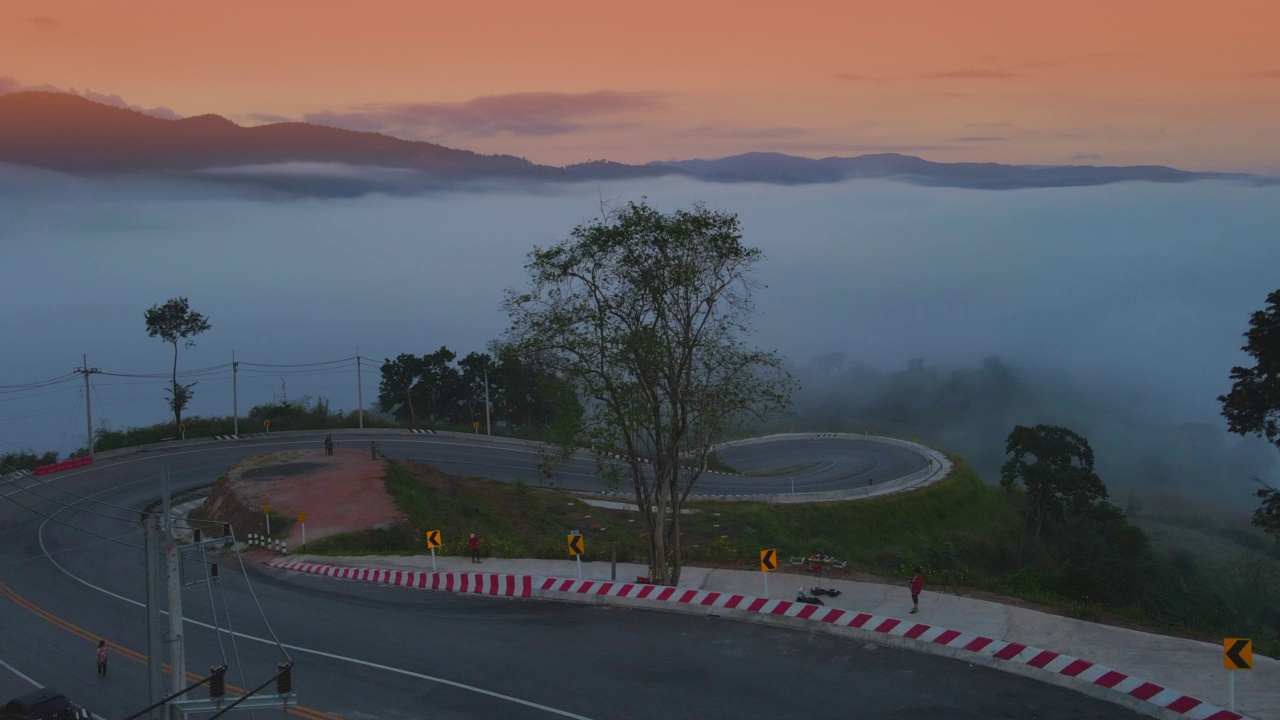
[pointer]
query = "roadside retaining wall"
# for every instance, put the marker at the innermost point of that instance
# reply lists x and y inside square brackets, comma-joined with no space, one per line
[1074,673]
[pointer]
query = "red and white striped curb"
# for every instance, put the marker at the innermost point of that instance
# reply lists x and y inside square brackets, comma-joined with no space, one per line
[1007,652]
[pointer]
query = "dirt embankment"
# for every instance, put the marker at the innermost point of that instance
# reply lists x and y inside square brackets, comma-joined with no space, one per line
[339,493]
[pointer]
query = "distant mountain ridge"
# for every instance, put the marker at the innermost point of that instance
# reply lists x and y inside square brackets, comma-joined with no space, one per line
[68,133]
[788,169]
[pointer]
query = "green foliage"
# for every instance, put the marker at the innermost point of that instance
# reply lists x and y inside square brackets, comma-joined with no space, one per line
[1253,405]
[172,322]
[644,313]
[1055,467]
[25,460]
[1267,516]
[525,399]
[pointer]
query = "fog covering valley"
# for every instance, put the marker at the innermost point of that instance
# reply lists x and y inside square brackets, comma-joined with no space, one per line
[940,313]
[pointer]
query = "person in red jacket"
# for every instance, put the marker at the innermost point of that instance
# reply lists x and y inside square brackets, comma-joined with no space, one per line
[917,584]
[101,657]
[474,540]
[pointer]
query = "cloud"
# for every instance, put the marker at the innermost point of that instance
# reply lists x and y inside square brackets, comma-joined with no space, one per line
[10,84]
[971,75]
[46,22]
[163,113]
[267,118]
[1077,60]
[1086,156]
[855,77]
[536,114]
[765,133]
[981,138]
[1268,74]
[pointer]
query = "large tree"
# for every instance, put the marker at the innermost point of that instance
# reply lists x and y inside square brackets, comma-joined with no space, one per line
[1253,405]
[396,387]
[1055,467]
[174,322]
[644,314]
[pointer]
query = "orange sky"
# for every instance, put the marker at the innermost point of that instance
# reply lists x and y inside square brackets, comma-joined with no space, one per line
[1190,84]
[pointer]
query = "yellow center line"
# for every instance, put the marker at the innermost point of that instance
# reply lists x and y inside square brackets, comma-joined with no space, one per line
[134,655]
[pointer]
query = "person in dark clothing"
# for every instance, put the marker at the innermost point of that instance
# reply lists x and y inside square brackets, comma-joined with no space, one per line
[373,450]
[101,656]
[474,540]
[328,444]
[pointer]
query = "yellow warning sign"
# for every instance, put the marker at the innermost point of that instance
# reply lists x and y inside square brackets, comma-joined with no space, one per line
[769,560]
[433,539]
[302,516]
[577,545]
[1237,653]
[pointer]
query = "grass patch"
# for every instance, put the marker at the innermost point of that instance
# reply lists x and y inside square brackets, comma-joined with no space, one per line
[881,535]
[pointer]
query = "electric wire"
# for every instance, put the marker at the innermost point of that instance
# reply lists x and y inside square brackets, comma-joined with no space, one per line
[213,607]
[70,506]
[256,602]
[66,550]
[235,648]
[24,506]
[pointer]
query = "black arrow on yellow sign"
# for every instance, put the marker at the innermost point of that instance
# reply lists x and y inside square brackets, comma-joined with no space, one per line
[575,545]
[433,538]
[1237,653]
[768,560]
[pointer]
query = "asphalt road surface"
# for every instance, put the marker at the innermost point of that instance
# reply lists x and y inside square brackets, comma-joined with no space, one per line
[364,652]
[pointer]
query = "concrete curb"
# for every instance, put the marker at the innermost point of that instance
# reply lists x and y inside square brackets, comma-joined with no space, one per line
[1083,676]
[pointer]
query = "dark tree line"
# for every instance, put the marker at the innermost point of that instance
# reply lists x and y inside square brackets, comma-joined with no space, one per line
[439,388]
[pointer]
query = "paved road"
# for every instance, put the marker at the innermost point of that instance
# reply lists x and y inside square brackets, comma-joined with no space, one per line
[374,652]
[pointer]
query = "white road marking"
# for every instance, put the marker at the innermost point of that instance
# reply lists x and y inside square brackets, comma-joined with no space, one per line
[26,677]
[297,648]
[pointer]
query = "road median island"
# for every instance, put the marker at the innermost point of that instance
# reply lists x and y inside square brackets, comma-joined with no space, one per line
[1082,675]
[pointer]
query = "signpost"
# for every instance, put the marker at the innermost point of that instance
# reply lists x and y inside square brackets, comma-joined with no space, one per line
[182,430]
[302,518]
[267,424]
[768,563]
[577,546]
[266,513]
[1237,654]
[476,426]
[433,542]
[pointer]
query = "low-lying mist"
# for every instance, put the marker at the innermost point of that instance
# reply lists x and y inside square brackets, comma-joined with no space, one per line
[1117,310]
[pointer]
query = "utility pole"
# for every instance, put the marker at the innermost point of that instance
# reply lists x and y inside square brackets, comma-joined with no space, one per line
[88,403]
[488,427]
[284,392]
[173,571]
[235,396]
[155,674]
[359,388]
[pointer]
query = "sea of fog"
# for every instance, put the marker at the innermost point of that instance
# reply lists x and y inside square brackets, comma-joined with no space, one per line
[1142,288]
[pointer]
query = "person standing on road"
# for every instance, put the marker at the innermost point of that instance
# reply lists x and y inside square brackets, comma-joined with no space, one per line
[474,540]
[328,444]
[917,584]
[102,658]
[373,449]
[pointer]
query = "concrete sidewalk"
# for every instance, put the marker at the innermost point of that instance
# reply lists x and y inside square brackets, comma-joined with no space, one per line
[1188,666]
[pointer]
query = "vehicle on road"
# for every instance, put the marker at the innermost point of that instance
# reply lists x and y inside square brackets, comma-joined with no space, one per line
[43,704]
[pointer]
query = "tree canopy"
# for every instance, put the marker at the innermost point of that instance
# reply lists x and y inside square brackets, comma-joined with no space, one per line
[1253,405]
[1055,467]
[172,322]
[643,313]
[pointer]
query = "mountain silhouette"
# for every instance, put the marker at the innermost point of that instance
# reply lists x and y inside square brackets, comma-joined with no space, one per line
[788,169]
[68,133]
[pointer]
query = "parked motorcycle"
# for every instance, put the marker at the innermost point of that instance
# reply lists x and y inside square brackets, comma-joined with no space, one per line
[830,592]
